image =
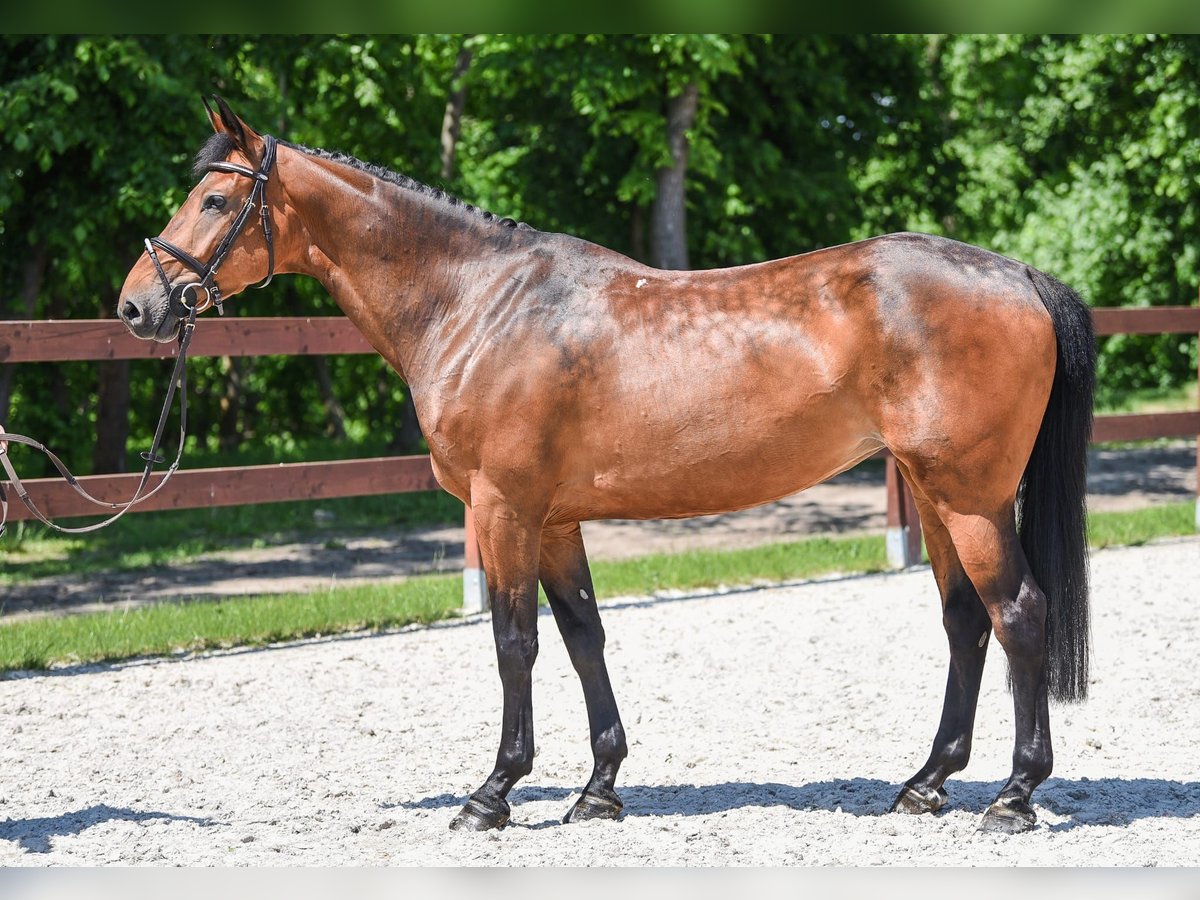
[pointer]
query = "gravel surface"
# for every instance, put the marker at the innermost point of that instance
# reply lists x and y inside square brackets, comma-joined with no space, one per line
[769,726]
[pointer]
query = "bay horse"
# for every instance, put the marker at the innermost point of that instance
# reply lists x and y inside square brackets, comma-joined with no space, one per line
[557,381]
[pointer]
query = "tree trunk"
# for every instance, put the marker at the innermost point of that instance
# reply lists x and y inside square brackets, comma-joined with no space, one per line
[229,432]
[31,285]
[637,232]
[335,416]
[112,411]
[112,417]
[452,120]
[60,382]
[668,214]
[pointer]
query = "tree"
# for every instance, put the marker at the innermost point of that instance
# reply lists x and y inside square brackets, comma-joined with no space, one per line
[1075,155]
[668,212]
[76,176]
[452,120]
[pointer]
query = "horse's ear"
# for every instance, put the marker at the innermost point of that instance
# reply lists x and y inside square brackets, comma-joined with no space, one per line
[212,115]
[248,140]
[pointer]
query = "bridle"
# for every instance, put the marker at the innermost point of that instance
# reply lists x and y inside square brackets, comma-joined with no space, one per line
[178,299]
[208,272]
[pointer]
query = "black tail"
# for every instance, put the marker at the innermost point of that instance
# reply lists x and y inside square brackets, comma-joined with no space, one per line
[1053,495]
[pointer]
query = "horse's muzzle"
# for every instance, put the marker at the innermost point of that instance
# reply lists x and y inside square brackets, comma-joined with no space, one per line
[149,317]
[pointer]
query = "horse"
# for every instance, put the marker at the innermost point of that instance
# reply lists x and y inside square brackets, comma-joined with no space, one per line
[557,381]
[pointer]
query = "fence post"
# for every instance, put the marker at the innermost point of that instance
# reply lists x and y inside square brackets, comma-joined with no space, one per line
[903,524]
[475,592]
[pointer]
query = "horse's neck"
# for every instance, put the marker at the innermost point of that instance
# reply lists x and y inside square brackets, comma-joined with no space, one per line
[393,259]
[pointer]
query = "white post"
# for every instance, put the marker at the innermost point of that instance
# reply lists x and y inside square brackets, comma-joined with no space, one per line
[903,540]
[475,592]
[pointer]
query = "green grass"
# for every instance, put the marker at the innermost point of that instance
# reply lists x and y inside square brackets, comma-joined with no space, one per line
[29,550]
[1114,529]
[768,563]
[175,627]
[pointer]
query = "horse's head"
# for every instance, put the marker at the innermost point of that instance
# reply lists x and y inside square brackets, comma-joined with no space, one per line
[223,225]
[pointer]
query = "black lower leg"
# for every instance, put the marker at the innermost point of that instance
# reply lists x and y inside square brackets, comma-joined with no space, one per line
[568,584]
[967,629]
[514,623]
[1020,628]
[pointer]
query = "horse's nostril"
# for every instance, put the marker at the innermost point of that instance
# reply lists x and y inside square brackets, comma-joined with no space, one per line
[130,312]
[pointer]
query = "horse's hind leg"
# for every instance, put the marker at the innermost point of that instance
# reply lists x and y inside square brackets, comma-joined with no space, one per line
[967,628]
[992,557]
[568,584]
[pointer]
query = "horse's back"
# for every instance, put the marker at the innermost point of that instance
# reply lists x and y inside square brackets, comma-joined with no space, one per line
[682,393]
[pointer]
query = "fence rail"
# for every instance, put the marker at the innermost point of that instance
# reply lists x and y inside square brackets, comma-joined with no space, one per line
[235,485]
[107,339]
[70,340]
[1147,320]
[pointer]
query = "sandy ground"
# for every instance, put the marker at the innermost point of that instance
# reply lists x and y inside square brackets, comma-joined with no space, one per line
[854,502]
[769,726]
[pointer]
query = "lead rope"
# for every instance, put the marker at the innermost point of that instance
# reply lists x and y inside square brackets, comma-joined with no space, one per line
[151,456]
[175,297]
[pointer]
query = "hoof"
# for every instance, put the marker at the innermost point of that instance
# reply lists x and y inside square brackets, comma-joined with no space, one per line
[481,815]
[1008,817]
[599,804]
[914,801]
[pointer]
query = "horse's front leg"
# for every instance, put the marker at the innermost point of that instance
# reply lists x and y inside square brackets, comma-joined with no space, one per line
[508,544]
[568,584]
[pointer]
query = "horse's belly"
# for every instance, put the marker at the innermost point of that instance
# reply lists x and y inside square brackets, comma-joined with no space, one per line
[719,465]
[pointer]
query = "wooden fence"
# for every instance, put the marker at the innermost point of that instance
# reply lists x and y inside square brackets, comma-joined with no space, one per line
[107,339]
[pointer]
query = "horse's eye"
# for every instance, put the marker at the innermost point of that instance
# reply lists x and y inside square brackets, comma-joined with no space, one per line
[214,201]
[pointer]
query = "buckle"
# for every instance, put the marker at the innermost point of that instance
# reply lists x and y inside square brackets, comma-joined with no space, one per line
[181,307]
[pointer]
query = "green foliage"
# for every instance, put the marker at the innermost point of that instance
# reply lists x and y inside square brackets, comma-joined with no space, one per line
[1075,153]
[808,114]
[97,139]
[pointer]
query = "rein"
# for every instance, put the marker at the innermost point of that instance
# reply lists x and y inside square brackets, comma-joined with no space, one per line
[151,456]
[177,299]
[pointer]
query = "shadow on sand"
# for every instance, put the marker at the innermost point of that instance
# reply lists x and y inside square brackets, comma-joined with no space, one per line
[1100,801]
[34,835]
